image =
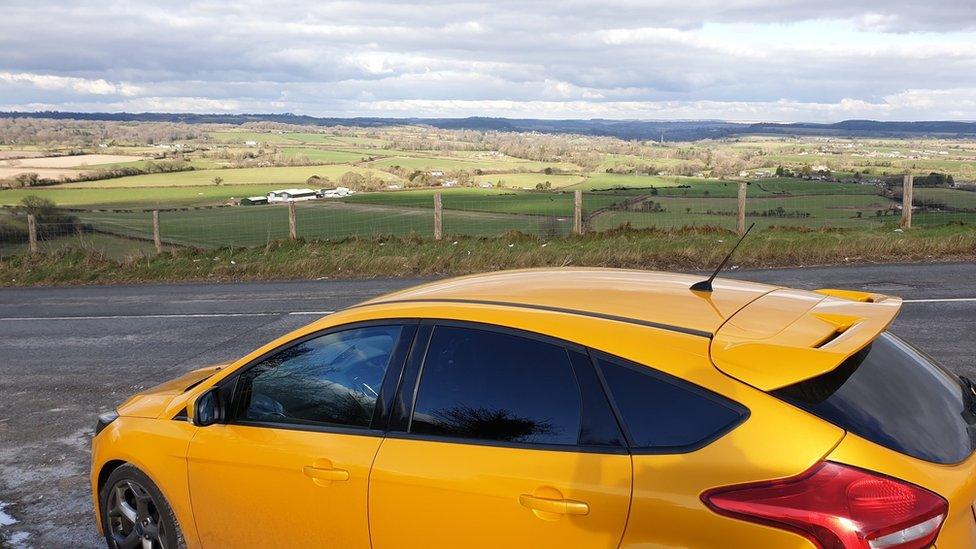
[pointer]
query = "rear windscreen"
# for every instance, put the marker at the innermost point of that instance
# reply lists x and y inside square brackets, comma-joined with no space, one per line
[893,395]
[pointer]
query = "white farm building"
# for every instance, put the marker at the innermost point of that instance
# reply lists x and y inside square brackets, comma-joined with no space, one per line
[292,195]
[337,192]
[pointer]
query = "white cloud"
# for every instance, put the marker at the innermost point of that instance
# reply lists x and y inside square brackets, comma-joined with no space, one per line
[50,82]
[895,107]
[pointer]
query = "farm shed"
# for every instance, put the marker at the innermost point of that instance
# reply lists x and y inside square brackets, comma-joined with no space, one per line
[292,195]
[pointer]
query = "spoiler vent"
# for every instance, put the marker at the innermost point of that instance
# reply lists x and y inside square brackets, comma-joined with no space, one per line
[836,333]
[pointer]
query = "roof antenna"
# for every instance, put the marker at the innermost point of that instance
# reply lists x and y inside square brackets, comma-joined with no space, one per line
[706,285]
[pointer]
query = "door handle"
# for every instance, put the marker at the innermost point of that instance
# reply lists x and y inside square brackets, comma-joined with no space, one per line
[325,473]
[556,506]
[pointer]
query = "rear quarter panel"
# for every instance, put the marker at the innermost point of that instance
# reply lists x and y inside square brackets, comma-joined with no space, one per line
[776,441]
[956,483]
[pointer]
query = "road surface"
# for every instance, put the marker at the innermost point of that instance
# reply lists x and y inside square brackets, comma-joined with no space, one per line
[68,353]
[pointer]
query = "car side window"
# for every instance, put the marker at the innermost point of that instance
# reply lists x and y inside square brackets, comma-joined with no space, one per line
[662,413]
[493,386]
[333,379]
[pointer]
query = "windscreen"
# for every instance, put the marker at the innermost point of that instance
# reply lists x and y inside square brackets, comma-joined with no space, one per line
[895,396]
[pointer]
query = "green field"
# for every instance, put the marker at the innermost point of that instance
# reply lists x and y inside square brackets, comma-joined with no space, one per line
[487,200]
[240,176]
[260,225]
[953,198]
[701,187]
[115,247]
[324,156]
[262,138]
[148,197]
[834,211]
[529,180]
[504,163]
[259,137]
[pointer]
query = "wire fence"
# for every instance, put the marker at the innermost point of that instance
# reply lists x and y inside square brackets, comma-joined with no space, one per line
[124,233]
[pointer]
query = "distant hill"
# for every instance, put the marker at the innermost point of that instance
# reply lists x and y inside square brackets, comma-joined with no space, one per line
[668,130]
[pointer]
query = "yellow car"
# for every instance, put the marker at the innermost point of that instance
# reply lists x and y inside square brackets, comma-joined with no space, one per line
[556,408]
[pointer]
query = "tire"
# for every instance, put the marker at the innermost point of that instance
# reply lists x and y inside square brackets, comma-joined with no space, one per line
[135,514]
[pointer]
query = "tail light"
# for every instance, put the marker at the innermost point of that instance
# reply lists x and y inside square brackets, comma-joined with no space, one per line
[839,507]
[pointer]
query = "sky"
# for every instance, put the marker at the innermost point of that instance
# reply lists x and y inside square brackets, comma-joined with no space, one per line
[742,60]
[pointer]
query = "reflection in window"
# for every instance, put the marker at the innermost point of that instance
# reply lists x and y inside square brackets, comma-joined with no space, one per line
[491,386]
[332,379]
[895,396]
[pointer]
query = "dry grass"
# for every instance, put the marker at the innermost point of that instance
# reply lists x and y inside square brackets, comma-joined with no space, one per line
[43,173]
[677,249]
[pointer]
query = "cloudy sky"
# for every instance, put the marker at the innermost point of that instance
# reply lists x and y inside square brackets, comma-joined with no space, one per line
[779,60]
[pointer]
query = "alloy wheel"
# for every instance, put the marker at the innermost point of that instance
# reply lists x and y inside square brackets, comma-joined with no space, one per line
[134,519]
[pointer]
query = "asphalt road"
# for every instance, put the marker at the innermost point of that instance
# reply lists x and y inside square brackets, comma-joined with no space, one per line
[68,353]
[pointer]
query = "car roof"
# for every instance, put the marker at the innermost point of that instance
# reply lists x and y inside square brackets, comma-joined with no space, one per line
[766,336]
[647,297]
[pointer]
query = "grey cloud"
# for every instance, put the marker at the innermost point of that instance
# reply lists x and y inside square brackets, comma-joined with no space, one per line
[338,57]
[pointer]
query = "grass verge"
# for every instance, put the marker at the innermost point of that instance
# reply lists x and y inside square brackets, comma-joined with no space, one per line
[661,249]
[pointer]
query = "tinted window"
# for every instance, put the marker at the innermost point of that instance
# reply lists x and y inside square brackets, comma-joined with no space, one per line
[663,413]
[332,379]
[892,395]
[599,426]
[491,386]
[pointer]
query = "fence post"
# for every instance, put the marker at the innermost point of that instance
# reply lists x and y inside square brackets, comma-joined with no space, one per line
[292,226]
[906,202]
[578,212]
[32,234]
[740,225]
[156,239]
[438,217]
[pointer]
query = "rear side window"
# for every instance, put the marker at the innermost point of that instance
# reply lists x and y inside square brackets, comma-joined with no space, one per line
[491,386]
[664,414]
[893,395]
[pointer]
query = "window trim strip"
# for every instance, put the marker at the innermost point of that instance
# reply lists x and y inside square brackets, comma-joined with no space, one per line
[549,308]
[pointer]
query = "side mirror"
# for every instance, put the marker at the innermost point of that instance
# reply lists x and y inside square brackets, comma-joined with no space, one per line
[207,409]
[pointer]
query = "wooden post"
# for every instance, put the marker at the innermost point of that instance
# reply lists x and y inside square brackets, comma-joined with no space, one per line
[292,226]
[578,212]
[740,225]
[906,202]
[32,234]
[438,217]
[156,239]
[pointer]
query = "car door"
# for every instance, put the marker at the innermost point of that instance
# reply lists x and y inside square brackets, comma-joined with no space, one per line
[499,439]
[289,466]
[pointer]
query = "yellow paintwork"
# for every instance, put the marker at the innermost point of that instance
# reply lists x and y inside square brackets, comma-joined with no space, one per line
[257,487]
[955,483]
[238,486]
[852,295]
[809,333]
[440,493]
[648,296]
[152,402]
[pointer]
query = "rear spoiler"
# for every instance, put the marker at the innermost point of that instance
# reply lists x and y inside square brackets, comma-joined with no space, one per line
[788,336]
